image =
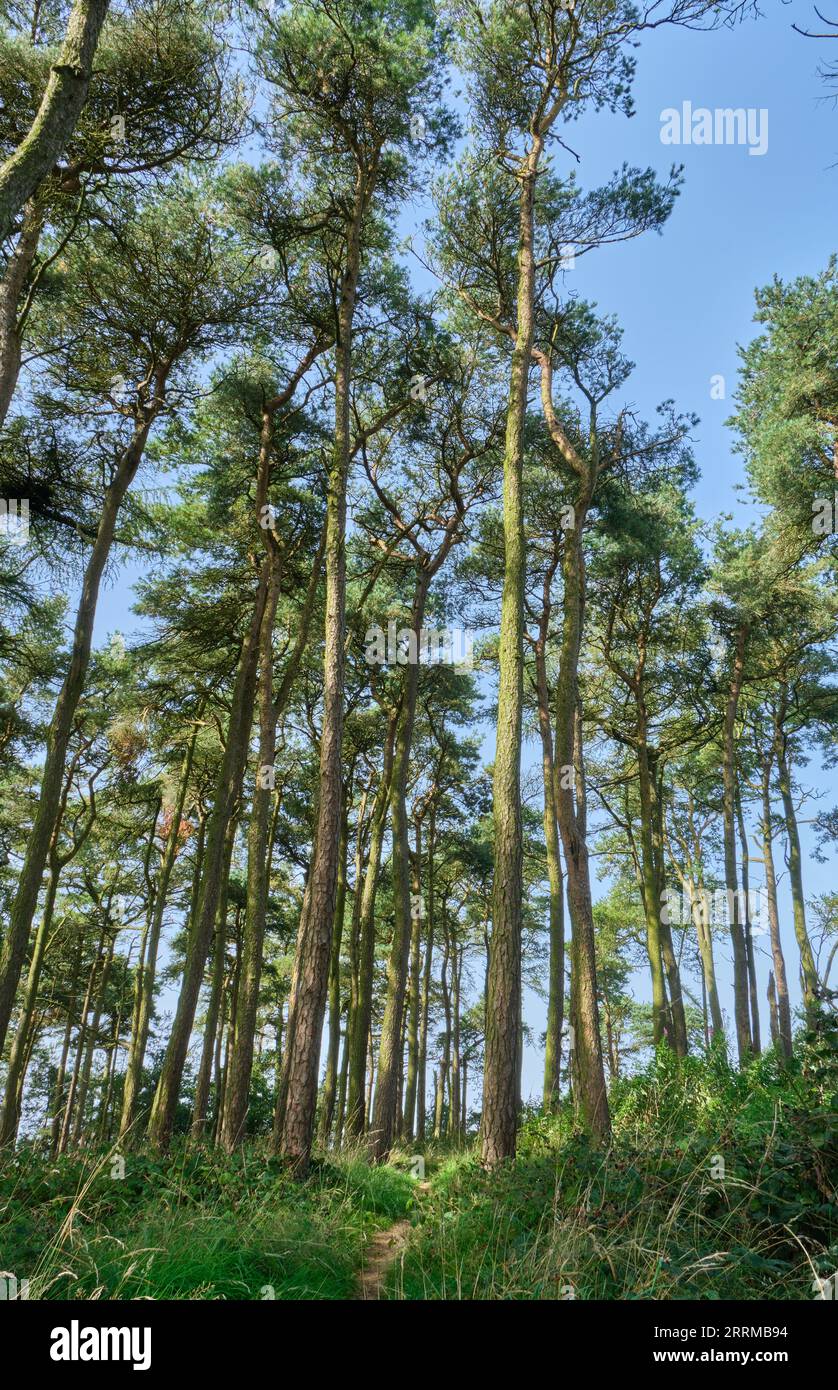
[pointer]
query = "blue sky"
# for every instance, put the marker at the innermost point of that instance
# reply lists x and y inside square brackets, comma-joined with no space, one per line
[685,299]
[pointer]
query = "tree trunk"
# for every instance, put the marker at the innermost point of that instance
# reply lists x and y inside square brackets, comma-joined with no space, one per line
[227,794]
[779,977]
[330,1080]
[11,288]
[311,964]
[60,108]
[390,1061]
[555,998]
[808,972]
[361,1007]
[756,1043]
[25,902]
[214,1005]
[590,1087]
[409,1107]
[737,935]
[147,968]
[501,1100]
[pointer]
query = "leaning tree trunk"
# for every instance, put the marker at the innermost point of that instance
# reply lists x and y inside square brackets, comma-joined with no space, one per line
[60,108]
[11,288]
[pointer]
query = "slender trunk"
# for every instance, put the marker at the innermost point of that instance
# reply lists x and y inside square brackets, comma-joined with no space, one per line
[25,902]
[93,1042]
[555,998]
[14,1075]
[214,1010]
[779,977]
[240,1061]
[330,1080]
[80,1039]
[227,794]
[454,1116]
[589,1079]
[147,968]
[501,1100]
[390,1061]
[422,1068]
[737,935]
[409,1107]
[750,957]
[58,1098]
[311,965]
[808,972]
[361,1007]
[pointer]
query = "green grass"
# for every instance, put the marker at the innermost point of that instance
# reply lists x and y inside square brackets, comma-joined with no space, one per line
[652,1218]
[718,1184]
[193,1225]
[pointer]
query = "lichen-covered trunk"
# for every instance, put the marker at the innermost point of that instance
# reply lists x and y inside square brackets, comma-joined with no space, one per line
[501,1102]
[414,992]
[60,108]
[590,1072]
[555,998]
[11,289]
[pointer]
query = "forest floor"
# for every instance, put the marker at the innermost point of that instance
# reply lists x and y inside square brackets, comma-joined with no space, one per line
[718,1184]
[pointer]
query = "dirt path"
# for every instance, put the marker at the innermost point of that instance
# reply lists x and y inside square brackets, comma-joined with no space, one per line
[379,1257]
[381,1254]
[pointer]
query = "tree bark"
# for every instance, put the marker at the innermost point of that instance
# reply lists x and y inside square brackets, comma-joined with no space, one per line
[737,936]
[779,979]
[311,965]
[501,1100]
[61,105]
